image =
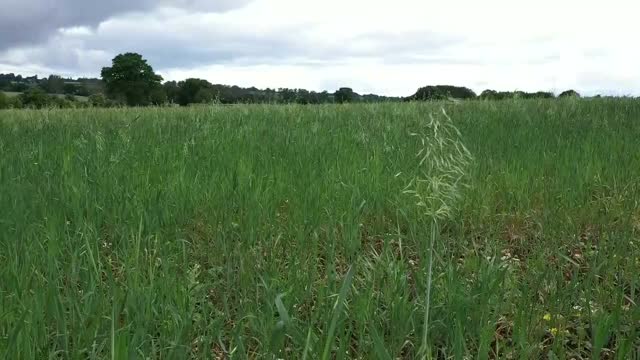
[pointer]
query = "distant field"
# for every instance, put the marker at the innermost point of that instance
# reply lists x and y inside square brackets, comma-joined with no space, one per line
[79,98]
[11,94]
[228,232]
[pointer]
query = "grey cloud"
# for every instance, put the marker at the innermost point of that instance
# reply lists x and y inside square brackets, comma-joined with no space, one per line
[175,38]
[32,21]
[592,82]
[395,43]
[167,38]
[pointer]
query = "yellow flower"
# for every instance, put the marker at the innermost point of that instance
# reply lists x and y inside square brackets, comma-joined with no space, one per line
[554,331]
[547,317]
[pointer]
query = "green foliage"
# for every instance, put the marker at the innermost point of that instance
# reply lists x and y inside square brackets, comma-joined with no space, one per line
[199,91]
[131,79]
[75,89]
[35,98]
[345,95]
[172,90]
[490,95]
[15,102]
[158,96]
[193,91]
[4,101]
[98,100]
[502,95]
[569,93]
[204,96]
[18,87]
[70,89]
[443,92]
[540,95]
[54,84]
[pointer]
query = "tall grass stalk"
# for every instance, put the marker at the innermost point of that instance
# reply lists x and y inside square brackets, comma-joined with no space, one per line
[443,162]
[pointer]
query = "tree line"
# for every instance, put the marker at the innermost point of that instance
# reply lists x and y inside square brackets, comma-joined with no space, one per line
[53,84]
[131,81]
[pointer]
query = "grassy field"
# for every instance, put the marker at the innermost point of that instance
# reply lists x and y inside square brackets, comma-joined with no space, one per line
[288,232]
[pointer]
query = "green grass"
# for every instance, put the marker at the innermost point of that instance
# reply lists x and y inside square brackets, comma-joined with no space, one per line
[215,232]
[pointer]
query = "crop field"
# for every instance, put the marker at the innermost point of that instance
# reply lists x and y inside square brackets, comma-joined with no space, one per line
[306,232]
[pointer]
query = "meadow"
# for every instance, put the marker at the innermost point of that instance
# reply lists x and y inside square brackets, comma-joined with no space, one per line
[289,232]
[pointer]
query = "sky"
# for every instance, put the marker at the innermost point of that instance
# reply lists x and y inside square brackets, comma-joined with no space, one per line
[374,46]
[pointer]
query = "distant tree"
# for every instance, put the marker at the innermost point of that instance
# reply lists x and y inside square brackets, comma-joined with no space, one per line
[230,94]
[70,89]
[543,95]
[172,90]
[459,92]
[223,93]
[429,93]
[489,95]
[303,96]
[70,97]
[373,98]
[130,78]
[61,102]
[314,97]
[502,95]
[4,101]
[18,87]
[287,96]
[520,95]
[158,96]
[204,96]
[83,90]
[35,98]
[54,84]
[569,93]
[324,97]
[345,95]
[75,89]
[97,100]
[188,90]
[443,92]
[15,103]
[90,86]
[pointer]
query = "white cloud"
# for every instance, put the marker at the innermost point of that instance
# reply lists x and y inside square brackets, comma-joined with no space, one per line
[373,46]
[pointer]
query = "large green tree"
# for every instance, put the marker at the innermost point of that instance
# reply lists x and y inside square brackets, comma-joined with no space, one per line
[443,92]
[569,93]
[189,90]
[131,79]
[345,95]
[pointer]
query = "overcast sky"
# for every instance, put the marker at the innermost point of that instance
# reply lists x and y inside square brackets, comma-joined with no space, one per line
[381,46]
